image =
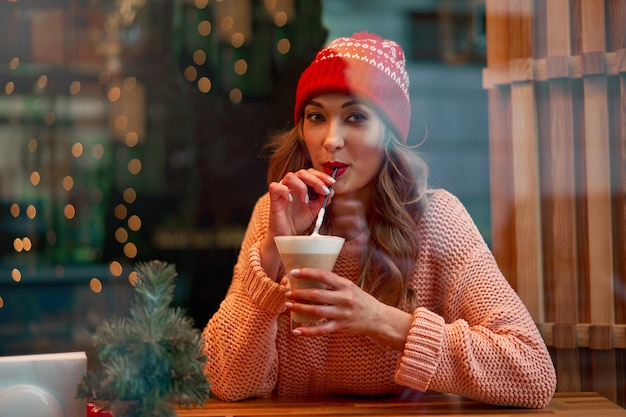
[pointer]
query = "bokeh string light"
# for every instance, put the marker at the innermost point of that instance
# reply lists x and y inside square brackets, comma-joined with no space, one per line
[63,193]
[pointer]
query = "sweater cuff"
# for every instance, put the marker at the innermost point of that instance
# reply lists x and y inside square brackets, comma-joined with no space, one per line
[264,291]
[422,350]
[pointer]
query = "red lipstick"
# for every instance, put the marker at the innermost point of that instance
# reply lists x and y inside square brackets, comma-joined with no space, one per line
[330,167]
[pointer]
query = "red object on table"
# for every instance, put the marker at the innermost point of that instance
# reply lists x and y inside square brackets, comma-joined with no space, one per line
[94,411]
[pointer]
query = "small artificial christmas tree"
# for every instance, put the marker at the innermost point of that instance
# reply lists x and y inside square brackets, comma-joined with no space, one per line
[150,360]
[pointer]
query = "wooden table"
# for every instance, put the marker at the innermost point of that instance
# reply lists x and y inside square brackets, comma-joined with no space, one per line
[576,404]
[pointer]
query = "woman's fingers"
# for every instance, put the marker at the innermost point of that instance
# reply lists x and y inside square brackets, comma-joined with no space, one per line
[301,182]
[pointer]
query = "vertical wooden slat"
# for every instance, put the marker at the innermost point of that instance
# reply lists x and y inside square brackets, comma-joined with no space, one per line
[497,18]
[597,189]
[525,199]
[503,234]
[500,160]
[620,194]
[616,13]
[560,190]
[596,157]
[527,220]
[561,186]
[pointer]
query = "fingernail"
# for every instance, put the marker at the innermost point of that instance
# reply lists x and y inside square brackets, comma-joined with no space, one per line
[306,199]
[296,332]
[290,197]
[288,305]
[326,190]
[287,294]
[295,272]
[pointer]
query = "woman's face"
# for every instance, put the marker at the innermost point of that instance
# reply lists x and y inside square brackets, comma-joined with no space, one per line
[343,132]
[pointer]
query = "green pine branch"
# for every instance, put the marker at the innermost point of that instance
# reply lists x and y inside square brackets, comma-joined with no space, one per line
[151,359]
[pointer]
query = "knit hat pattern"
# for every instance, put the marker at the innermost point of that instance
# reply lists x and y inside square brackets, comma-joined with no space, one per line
[366,66]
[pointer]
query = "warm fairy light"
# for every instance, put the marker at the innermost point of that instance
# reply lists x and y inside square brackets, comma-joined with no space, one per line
[14,210]
[131,139]
[50,118]
[68,183]
[134,166]
[28,244]
[77,149]
[133,278]
[1,302]
[121,235]
[14,63]
[121,122]
[16,275]
[114,94]
[31,211]
[283,46]
[134,223]
[9,87]
[95,285]
[115,268]
[33,144]
[35,178]
[227,23]
[190,73]
[269,4]
[42,81]
[280,19]
[204,28]
[237,39]
[241,66]
[97,151]
[18,245]
[69,211]
[235,96]
[130,83]
[130,250]
[75,87]
[204,85]
[120,211]
[199,57]
[129,195]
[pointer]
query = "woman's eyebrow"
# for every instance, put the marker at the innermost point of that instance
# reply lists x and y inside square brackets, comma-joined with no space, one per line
[343,105]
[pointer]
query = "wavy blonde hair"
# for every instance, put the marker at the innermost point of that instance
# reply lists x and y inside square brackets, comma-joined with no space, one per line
[397,203]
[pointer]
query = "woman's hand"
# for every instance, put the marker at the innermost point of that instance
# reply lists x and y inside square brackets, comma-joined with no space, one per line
[292,210]
[348,309]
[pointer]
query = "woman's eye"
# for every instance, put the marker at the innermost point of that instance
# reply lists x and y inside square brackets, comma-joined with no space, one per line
[315,117]
[356,117]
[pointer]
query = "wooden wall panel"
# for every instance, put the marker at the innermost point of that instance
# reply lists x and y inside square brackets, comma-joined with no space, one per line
[556,81]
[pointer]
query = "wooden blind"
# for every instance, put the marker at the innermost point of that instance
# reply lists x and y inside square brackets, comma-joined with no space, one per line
[556,82]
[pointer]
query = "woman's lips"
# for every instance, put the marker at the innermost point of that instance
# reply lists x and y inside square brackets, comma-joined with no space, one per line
[329,167]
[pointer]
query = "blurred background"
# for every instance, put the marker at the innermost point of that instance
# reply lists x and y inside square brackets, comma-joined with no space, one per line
[132,130]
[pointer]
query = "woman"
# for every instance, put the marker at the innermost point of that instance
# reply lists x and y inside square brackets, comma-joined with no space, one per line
[415,301]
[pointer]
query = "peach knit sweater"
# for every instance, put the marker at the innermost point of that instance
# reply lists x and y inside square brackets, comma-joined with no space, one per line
[471,335]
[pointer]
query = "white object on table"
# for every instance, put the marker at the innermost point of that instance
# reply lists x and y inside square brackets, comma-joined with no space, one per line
[42,385]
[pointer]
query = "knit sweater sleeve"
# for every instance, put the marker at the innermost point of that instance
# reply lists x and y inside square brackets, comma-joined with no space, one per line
[239,340]
[473,336]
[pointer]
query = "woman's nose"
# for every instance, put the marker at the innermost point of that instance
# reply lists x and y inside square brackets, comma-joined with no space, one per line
[334,136]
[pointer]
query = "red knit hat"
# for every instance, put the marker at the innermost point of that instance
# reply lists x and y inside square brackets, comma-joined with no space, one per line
[366,66]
